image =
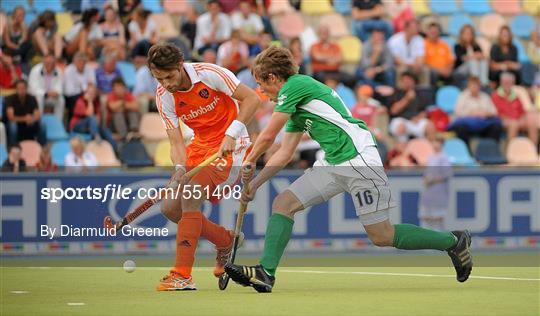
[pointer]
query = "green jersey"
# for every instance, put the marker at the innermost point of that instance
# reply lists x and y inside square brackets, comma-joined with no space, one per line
[317,110]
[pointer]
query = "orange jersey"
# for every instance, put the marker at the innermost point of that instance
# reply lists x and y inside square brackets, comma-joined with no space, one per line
[207,108]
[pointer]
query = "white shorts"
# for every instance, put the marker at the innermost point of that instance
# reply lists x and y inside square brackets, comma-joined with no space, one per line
[363,177]
[416,129]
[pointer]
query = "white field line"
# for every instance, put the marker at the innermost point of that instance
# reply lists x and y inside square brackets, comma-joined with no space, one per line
[76,304]
[299,271]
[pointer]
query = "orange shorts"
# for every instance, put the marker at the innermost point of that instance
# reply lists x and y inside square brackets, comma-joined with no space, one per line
[222,172]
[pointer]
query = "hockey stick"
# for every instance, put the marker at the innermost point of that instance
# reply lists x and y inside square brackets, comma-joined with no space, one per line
[131,216]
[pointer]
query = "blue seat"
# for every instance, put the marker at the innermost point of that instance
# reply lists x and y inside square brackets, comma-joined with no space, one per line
[51,5]
[522,25]
[457,22]
[9,5]
[134,154]
[446,98]
[476,7]
[488,152]
[347,95]
[128,72]
[343,6]
[446,7]
[153,6]
[29,17]
[54,128]
[458,153]
[83,136]
[3,154]
[59,150]
[522,53]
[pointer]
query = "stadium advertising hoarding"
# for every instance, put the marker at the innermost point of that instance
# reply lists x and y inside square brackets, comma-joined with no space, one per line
[502,209]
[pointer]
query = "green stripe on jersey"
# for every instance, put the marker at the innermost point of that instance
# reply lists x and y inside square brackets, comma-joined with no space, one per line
[317,109]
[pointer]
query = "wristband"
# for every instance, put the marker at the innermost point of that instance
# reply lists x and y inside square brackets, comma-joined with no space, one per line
[179,166]
[235,129]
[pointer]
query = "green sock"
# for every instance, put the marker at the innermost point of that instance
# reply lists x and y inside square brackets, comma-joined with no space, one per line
[278,233]
[411,237]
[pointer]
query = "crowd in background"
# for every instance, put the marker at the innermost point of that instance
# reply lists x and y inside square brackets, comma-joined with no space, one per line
[404,60]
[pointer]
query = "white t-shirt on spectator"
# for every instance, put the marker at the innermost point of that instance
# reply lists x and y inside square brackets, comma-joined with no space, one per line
[252,24]
[406,51]
[74,163]
[133,28]
[204,28]
[76,82]
[226,49]
[95,32]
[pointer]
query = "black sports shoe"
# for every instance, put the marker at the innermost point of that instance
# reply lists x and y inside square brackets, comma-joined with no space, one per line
[461,255]
[253,276]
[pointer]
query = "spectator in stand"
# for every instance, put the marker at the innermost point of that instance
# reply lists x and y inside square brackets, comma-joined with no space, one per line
[45,37]
[248,23]
[15,37]
[533,49]
[9,74]
[143,32]
[407,112]
[234,53]
[145,89]
[367,109]
[213,28]
[326,56]
[400,12]
[106,74]
[369,15]
[45,83]
[85,35]
[470,60]
[14,163]
[114,36]
[265,39]
[376,65]
[79,160]
[86,117]
[504,56]
[438,56]
[77,76]
[475,114]
[189,25]
[209,56]
[516,112]
[45,162]
[123,110]
[23,116]
[295,46]
[407,48]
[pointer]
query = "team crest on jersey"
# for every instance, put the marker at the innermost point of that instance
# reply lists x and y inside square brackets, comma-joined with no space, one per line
[204,93]
[182,103]
[281,99]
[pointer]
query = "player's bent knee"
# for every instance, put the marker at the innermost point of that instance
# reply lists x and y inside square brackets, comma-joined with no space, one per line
[381,234]
[287,204]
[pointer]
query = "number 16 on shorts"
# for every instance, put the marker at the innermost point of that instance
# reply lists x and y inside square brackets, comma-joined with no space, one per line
[365,201]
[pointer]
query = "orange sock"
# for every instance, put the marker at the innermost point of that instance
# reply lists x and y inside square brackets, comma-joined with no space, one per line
[189,230]
[215,233]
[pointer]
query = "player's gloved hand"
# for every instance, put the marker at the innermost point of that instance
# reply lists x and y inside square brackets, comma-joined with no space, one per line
[179,177]
[247,171]
[227,146]
[248,196]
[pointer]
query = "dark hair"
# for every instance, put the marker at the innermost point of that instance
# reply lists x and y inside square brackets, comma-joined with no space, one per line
[214,2]
[88,15]
[463,29]
[435,24]
[505,28]
[118,80]
[164,56]
[274,60]
[410,75]
[21,80]
[16,145]
[46,16]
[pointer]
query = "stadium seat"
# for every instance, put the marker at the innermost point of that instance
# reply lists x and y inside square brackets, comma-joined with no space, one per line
[531,7]
[54,128]
[446,98]
[9,5]
[420,7]
[162,156]
[164,25]
[64,21]
[336,23]
[484,44]
[456,22]
[279,7]
[175,7]
[128,71]
[491,24]
[3,154]
[153,6]
[30,151]
[458,153]
[420,149]
[133,154]
[351,48]
[342,6]
[290,24]
[488,152]
[151,127]
[59,150]
[521,151]
[446,7]
[316,7]
[347,95]
[83,136]
[104,153]
[476,7]
[29,17]
[506,7]
[41,5]
[522,25]
[522,53]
